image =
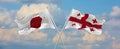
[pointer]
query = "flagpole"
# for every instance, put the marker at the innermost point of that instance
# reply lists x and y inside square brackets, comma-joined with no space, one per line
[60,36]
[56,29]
[63,32]
[60,32]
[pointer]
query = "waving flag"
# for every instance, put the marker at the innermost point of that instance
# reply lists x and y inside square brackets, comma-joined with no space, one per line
[39,20]
[87,21]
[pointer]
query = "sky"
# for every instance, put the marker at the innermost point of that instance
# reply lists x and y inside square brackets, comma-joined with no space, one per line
[60,10]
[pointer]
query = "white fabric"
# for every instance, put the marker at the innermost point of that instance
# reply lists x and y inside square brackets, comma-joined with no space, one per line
[24,23]
[89,19]
[69,23]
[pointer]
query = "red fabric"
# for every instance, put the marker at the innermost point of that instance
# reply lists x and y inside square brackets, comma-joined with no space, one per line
[85,23]
[35,22]
[73,24]
[94,21]
[78,14]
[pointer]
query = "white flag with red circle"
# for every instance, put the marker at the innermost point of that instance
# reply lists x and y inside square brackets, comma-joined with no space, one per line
[39,20]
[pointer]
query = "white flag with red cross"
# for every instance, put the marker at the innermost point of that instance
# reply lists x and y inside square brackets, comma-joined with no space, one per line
[87,21]
[31,22]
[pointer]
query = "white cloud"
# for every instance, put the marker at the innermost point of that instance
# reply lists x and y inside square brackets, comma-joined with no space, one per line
[115,43]
[61,37]
[67,37]
[11,35]
[86,37]
[81,46]
[26,10]
[93,38]
[6,17]
[116,11]
[54,9]
[113,22]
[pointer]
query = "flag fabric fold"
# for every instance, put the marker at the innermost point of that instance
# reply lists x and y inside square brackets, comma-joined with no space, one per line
[41,20]
[87,22]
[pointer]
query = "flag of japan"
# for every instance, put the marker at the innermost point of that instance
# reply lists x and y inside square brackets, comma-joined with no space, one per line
[87,21]
[31,22]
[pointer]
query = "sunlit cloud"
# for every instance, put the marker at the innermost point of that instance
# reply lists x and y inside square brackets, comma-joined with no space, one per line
[115,42]
[11,35]
[61,36]
[92,38]
[116,11]
[26,10]
[6,18]
[80,46]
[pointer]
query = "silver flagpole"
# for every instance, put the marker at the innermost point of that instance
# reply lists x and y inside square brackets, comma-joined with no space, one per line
[60,32]
[60,36]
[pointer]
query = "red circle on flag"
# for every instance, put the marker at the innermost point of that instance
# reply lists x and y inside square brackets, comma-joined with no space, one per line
[35,22]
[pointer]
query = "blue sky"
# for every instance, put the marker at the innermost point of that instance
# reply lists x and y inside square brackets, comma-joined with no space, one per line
[91,6]
[60,9]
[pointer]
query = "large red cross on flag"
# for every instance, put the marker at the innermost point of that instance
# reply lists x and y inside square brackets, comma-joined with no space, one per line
[31,22]
[87,21]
